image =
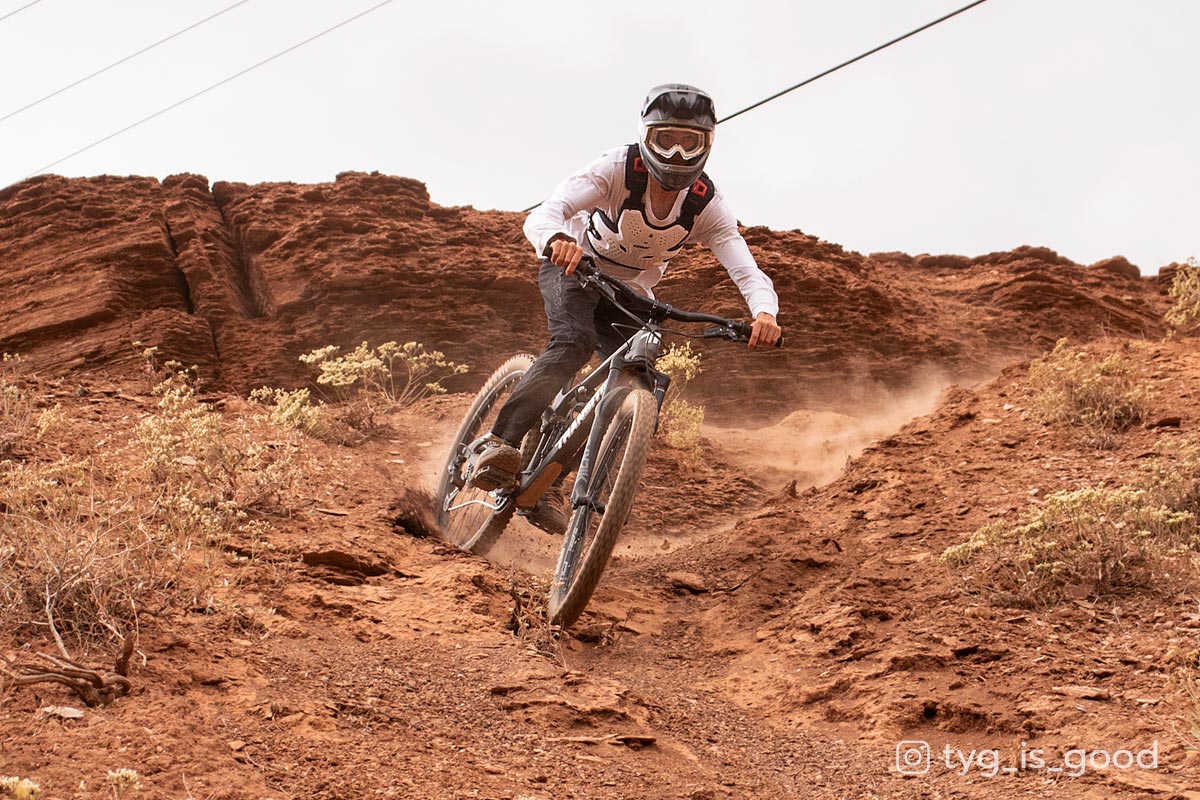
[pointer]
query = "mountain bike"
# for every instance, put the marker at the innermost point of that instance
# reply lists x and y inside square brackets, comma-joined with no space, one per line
[600,428]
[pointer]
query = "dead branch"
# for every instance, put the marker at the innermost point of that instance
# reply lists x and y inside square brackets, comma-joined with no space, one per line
[94,685]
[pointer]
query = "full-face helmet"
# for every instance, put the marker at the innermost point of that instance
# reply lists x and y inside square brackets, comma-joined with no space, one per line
[676,134]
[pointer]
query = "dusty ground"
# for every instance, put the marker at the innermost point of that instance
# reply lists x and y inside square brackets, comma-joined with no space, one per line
[775,621]
[751,638]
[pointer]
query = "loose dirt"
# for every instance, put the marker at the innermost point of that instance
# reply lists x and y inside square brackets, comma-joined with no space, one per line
[775,622]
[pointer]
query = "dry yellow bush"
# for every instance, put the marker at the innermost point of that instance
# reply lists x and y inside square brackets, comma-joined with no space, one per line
[1185,680]
[79,558]
[1184,315]
[391,375]
[290,409]
[18,414]
[1094,542]
[90,544]
[1097,395]
[679,425]
[679,421]
[17,788]
[123,782]
[207,477]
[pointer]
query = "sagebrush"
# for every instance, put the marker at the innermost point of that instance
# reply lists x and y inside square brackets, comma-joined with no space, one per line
[1184,314]
[290,408]
[89,544]
[1185,679]
[77,559]
[17,788]
[207,476]
[1097,395]
[22,420]
[392,375]
[124,781]
[679,421]
[1095,542]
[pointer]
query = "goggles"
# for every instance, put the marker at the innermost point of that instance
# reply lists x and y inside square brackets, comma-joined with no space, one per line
[669,140]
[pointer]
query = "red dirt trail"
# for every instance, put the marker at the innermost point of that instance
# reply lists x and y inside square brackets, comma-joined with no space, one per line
[775,620]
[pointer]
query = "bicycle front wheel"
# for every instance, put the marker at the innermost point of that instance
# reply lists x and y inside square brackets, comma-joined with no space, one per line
[469,517]
[593,529]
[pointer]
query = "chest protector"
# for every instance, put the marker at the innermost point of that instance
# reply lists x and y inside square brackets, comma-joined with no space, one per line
[632,241]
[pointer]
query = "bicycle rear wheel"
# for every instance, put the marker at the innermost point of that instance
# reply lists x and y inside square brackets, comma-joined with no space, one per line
[469,517]
[593,529]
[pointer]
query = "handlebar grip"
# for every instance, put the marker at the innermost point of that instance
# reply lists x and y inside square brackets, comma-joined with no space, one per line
[744,330]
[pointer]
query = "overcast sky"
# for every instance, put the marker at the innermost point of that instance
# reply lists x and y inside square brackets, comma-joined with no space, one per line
[1066,123]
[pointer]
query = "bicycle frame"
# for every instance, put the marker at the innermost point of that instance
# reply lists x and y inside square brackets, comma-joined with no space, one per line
[632,361]
[558,445]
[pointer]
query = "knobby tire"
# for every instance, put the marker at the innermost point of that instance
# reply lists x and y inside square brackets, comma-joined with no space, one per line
[614,481]
[475,527]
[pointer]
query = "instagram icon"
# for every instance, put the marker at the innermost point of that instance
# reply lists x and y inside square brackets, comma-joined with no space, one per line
[912,757]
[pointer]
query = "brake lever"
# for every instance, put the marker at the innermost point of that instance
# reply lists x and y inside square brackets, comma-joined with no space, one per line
[734,334]
[721,332]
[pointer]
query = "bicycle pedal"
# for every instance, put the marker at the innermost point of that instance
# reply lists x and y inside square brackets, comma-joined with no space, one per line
[490,479]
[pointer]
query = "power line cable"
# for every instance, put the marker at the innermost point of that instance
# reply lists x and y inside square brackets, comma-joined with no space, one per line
[858,57]
[831,70]
[175,105]
[122,61]
[19,10]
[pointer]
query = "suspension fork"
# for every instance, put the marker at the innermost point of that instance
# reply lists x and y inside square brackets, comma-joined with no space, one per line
[614,396]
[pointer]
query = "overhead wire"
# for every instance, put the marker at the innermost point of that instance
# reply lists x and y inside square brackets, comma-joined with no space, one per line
[122,61]
[831,70]
[19,10]
[208,89]
[847,63]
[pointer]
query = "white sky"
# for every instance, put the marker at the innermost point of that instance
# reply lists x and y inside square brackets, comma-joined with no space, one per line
[1066,123]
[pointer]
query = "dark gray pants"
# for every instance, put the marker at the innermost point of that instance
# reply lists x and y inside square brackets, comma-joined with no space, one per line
[580,322]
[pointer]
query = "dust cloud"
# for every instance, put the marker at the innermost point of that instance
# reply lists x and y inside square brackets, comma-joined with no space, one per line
[812,447]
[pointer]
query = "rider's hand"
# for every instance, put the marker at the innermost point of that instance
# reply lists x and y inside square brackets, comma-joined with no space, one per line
[764,331]
[565,253]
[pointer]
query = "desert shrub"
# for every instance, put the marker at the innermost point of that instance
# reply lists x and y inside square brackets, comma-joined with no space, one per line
[1096,541]
[679,421]
[1185,680]
[1174,477]
[680,425]
[289,408]
[123,782]
[151,367]
[21,421]
[389,376]
[90,544]
[208,477]
[19,788]
[1097,395]
[349,423]
[80,558]
[1184,315]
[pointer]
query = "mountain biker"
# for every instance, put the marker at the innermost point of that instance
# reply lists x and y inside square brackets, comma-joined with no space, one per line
[631,210]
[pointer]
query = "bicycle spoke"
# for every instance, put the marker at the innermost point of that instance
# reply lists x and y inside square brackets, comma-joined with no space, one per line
[471,517]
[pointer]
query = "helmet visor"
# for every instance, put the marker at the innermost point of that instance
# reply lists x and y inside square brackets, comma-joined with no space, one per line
[670,140]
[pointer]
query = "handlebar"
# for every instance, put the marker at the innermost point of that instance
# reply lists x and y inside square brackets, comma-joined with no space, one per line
[730,329]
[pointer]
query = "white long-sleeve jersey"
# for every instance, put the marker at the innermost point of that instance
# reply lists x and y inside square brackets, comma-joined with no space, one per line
[629,242]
